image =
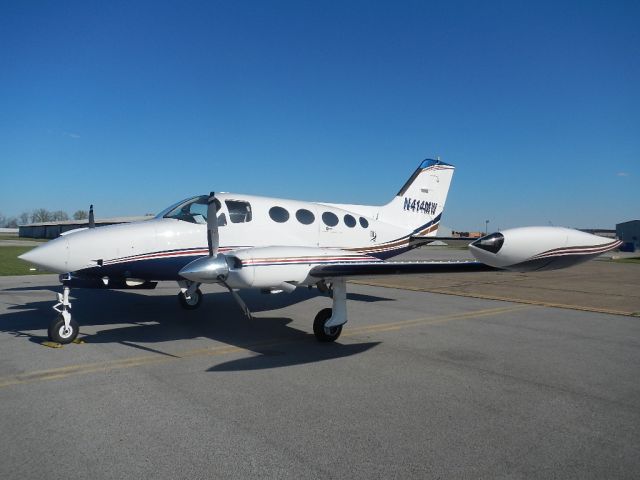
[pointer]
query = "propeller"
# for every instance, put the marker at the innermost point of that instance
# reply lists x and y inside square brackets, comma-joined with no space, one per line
[213,237]
[92,221]
[239,301]
[214,268]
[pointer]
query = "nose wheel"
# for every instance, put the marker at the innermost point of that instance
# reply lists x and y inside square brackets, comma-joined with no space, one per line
[61,333]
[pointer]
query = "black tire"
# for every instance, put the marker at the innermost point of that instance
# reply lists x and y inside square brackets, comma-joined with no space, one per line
[193,302]
[325,334]
[57,331]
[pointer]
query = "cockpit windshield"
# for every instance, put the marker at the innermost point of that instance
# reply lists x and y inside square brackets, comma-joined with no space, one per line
[192,210]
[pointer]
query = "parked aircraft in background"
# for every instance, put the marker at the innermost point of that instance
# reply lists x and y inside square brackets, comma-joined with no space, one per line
[276,245]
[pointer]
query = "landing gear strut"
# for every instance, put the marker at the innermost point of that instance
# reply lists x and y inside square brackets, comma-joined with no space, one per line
[63,329]
[190,295]
[327,325]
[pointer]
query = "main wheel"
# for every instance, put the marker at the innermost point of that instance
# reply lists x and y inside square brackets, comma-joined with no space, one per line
[192,302]
[322,333]
[59,333]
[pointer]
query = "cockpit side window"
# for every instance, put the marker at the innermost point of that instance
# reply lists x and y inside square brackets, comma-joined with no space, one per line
[239,211]
[193,210]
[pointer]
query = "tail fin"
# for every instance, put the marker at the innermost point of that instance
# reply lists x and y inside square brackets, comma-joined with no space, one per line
[419,204]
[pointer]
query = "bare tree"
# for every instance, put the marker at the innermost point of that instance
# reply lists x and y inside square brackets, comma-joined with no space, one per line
[11,222]
[23,218]
[2,220]
[81,215]
[41,215]
[59,215]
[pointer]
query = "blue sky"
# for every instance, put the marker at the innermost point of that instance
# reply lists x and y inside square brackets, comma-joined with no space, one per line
[134,105]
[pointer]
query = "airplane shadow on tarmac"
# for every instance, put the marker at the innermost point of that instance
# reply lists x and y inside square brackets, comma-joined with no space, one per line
[154,319]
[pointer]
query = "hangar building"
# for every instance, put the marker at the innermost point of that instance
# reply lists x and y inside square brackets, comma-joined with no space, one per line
[629,233]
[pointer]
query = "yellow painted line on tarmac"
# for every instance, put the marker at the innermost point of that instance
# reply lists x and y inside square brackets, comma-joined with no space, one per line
[63,372]
[495,297]
[114,365]
[384,327]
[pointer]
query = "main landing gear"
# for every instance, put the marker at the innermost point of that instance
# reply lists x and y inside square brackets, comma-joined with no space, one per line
[63,329]
[190,295]
[327,325]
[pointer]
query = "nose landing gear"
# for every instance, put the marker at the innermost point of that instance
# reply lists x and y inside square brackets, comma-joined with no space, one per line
[63,329]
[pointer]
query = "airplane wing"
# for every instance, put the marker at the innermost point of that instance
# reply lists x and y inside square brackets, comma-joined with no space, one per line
[398,268]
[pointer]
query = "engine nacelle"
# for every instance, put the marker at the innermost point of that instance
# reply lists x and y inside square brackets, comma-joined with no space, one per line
[539,248]
[282,267]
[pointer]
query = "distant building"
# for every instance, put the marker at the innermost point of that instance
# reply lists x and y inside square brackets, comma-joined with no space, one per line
[601,232]
[629,233]
[54,229]
[467,234]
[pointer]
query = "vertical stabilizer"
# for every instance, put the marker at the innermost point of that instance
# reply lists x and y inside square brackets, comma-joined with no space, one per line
[419,204]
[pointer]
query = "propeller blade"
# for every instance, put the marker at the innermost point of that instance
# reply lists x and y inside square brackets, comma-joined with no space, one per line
[213,237]
[92,221]
[238,299]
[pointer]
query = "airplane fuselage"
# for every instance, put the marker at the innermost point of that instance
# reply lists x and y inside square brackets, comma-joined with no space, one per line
[157,249]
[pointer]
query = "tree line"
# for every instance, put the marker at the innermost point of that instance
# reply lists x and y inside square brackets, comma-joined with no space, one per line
[40,215]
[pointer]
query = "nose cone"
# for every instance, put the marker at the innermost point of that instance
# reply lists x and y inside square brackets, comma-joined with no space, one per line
[52,256]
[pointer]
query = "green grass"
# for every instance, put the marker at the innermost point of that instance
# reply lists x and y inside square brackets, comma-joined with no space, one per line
[627,260]
[10,264]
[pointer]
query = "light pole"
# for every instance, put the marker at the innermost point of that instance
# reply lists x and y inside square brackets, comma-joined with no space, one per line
[486,227]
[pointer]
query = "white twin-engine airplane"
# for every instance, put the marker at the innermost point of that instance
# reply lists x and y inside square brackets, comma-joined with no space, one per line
[279,245]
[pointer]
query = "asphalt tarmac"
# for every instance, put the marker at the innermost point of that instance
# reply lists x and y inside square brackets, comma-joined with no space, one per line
[599,285]
[420,385]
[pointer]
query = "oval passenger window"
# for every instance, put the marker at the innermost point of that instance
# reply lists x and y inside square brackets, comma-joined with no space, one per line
[278,214]
[330,219]
[349,221]
[305,217]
